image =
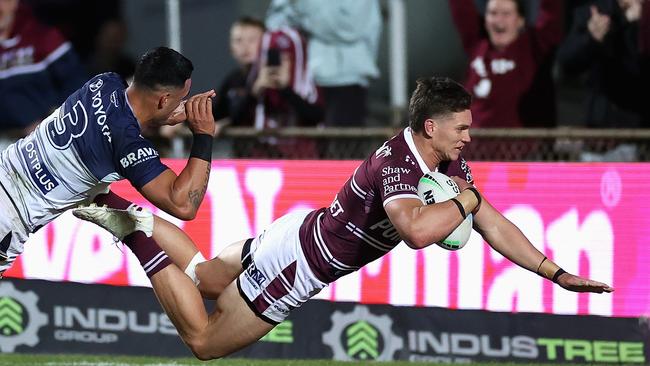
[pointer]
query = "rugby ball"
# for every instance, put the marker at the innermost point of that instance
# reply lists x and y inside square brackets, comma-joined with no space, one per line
[435,187]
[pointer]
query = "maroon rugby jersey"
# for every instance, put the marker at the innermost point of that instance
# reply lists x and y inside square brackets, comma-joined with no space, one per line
[355,229]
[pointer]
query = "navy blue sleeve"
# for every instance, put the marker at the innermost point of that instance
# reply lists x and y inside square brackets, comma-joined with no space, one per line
[137,160]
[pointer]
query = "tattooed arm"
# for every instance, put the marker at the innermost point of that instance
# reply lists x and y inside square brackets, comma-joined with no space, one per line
[181,195]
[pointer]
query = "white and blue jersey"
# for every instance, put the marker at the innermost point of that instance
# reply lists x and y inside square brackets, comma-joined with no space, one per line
[90,141]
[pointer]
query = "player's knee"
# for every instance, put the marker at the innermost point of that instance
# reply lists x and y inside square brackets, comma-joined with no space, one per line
[201,349]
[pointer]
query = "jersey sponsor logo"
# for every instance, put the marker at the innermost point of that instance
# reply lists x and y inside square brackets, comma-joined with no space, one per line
[141,155]
[335,207]
[409,160]
[96,85]
[62,129]
[99,110]
[466,169]
[393,175]
[399,187]
[388,231]
[255,275]
[114,100]
[390,170]
[38,172]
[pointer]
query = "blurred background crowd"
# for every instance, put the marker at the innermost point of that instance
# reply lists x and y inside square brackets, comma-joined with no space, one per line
[316,78]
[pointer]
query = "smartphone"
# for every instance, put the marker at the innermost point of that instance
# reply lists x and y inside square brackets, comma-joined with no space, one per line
[273,57]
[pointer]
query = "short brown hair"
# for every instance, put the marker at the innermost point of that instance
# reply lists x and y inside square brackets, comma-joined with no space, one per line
[436,97]
[250,21]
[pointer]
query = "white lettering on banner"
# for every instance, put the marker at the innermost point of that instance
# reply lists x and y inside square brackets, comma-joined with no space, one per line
[229,220]
[514,281]
[264,184]
[470,273]
[117,320]
[90,260]
[243,203]
[348,288]
[94,258]
[47,250]
[595,240]
[403,272]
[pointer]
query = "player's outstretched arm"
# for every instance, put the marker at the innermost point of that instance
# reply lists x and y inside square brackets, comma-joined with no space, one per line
[506,238]
[181,195]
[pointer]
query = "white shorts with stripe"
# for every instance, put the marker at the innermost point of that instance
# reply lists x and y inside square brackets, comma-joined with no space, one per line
[276,277]
[13,233]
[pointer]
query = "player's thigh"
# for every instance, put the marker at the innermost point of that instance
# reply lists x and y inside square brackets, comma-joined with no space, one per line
[216,274]
[178,245]
[233,325]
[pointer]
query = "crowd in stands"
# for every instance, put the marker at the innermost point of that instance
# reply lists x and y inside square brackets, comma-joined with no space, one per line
[311,62]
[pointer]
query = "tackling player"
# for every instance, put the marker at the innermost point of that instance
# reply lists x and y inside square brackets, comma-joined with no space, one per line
[257,282]
[93,139]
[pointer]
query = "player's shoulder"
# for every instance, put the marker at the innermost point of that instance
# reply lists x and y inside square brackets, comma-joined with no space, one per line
[396,149]
[107,80]
[394,155]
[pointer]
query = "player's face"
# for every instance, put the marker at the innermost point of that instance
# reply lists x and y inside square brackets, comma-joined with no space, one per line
[451,134]
[503,22]
[7,10]
[245,43]
[171,100]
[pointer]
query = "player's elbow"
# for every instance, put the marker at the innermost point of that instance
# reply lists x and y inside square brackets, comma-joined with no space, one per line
[417,240]
[185,213]
[420,238]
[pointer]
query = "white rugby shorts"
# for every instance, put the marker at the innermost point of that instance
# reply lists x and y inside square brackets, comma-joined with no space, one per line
[276,277]
[13,233]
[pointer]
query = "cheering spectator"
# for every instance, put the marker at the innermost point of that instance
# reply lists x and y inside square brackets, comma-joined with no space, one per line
[342,50]
[509,74]
[38,68]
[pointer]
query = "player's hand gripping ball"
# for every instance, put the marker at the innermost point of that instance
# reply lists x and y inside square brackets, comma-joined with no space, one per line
[435,187]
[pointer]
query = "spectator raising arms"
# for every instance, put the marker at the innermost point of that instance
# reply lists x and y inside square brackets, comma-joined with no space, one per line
[510,63]
[38,68]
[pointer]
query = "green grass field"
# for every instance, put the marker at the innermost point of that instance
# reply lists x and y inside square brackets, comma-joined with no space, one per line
[107,360]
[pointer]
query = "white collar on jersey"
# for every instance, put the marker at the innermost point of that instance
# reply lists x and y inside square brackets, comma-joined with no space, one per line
[408,136]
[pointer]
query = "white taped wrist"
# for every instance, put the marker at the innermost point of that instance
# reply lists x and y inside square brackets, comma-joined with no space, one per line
[190,270]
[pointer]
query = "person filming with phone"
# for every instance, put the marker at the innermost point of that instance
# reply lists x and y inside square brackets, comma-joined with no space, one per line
[270,89]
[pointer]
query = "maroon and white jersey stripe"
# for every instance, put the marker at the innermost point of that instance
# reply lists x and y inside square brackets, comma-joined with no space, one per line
[355,229]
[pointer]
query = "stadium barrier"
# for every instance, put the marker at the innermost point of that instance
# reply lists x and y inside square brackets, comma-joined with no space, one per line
[57,317]
[488,144]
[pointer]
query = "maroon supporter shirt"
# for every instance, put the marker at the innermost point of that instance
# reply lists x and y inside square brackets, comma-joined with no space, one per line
[355,229]
[500,79]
